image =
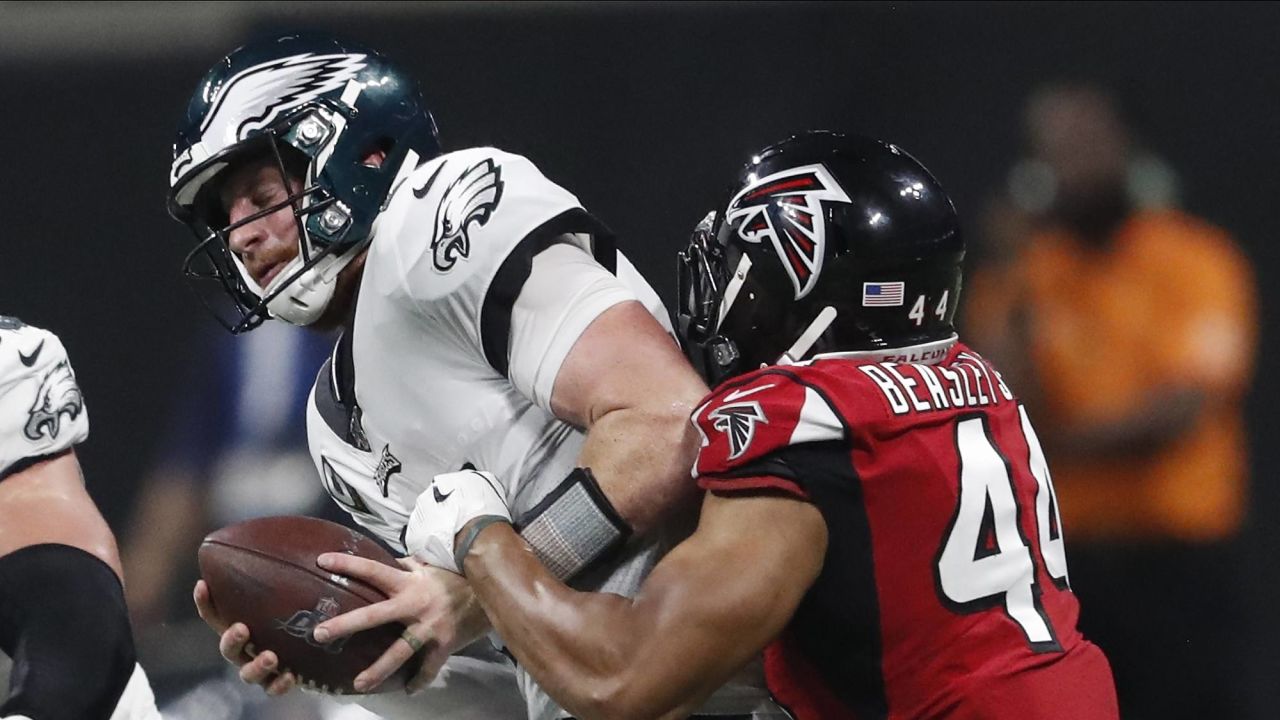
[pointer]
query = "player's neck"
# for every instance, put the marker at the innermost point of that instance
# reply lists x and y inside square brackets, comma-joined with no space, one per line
[341,312]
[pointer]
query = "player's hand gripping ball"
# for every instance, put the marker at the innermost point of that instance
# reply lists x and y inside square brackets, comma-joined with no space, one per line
[263,573]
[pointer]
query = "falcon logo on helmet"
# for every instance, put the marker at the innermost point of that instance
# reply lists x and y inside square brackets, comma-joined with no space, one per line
[471,198]
[786,209]
[738,422]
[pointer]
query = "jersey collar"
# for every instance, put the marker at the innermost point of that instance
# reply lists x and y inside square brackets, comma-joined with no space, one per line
[930,353]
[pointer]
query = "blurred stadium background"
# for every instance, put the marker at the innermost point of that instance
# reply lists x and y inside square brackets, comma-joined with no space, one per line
[642,109]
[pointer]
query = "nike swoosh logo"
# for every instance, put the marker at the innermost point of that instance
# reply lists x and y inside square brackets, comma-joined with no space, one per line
[435,492]
[422,191]
[30,360]
[739,394]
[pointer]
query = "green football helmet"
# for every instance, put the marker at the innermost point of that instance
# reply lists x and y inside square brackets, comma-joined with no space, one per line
[319,107]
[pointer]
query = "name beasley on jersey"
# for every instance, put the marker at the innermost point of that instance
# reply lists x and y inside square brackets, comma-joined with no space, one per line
[969,383]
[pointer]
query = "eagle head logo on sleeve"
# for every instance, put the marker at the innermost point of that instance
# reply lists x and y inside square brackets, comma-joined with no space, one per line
[738,421]
[59,395]
[785,208]
[472,198]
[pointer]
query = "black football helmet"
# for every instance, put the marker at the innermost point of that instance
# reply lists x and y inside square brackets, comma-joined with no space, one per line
[319,107]
[830,243]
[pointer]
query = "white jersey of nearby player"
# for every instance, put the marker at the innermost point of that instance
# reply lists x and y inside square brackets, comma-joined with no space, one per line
[42,412]
[481,276]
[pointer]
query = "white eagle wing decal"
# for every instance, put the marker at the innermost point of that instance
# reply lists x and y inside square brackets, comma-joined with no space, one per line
[257,96]
[473,197]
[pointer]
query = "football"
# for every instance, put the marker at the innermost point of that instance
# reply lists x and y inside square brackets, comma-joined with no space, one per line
[263,573]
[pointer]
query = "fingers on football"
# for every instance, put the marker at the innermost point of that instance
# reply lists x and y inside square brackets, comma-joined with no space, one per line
[261,670]
[233,644]
[283,683]
[382,668]
[369,616]
[204,606]
[437,654]
[384,577]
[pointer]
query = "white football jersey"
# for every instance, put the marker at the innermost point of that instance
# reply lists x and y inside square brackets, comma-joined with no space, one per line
[481,276]
[42,412]
[445,368]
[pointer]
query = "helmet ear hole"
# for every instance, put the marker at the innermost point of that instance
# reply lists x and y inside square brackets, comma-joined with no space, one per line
[377,152]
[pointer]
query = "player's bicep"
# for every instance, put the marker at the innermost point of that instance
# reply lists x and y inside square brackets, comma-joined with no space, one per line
[722,595]
[45,501]
[624,360]
[562,299]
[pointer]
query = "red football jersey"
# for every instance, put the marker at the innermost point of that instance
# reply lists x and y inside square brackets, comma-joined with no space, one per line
[944,592]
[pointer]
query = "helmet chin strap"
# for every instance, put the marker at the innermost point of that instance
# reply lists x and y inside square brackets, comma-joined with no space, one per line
[807,338]
[308,294]
[925,353]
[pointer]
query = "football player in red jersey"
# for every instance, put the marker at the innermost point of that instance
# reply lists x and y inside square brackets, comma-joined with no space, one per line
[880,517]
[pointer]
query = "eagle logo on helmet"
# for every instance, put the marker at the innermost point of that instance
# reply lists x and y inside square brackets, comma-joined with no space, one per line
[472,198]
[785,208]
[256,97]
[738,422]
[59,395]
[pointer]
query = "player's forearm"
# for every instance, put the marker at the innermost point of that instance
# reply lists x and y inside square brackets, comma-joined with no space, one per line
[627,384]
[697,619]
[576,645]
[641,458]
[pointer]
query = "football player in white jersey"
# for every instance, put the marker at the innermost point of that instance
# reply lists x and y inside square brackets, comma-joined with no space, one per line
[63,620]
[487,321]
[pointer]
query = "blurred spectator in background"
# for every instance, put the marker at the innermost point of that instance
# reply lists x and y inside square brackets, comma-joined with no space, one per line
[1129,328]
[236,449]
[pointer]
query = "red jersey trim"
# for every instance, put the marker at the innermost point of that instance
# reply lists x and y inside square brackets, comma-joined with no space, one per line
[749,484]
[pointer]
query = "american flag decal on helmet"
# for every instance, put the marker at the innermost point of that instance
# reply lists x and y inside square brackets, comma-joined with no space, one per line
[882,294]
[785,208]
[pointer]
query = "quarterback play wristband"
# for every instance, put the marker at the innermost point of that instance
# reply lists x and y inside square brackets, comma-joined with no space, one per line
[574,526]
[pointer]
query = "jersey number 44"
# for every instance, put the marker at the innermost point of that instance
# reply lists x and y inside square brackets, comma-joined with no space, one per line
[986,559]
